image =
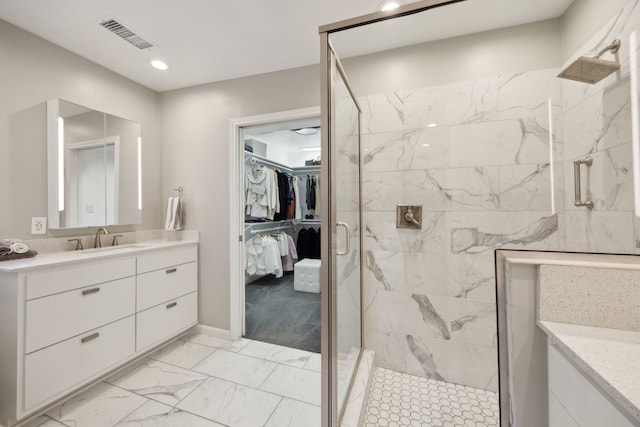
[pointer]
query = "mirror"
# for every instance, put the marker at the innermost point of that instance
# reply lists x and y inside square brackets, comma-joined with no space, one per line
[94,167]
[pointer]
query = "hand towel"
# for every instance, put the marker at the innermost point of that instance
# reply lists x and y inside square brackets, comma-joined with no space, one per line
[169,213]
[174,214]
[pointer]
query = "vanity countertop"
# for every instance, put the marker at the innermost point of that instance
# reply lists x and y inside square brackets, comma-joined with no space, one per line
[610,357]
[50,259]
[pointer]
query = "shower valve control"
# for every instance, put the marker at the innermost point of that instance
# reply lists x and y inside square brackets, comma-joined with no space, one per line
[409,216]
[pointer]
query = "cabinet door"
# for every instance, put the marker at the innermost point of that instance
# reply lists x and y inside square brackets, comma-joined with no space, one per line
[580,400]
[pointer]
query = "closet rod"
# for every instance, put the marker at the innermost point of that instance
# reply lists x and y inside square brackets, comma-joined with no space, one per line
[255,158]
[249,228]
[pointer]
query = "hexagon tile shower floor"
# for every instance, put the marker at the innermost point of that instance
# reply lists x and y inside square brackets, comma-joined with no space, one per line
[398,399]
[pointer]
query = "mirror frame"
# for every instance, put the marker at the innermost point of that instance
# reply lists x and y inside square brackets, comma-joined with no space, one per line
[56,169]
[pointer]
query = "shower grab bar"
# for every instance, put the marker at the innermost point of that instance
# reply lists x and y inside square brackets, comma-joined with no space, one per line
[348,245]
[588,161]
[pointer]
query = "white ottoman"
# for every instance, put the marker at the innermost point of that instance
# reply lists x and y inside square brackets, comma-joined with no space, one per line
[306,276]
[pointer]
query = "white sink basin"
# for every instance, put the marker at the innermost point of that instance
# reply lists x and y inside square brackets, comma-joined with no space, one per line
[114,248]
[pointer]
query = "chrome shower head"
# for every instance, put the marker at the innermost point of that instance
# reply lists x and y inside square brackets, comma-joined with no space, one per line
[592,70]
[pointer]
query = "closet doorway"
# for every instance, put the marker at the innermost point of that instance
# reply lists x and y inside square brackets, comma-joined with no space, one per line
[279,210]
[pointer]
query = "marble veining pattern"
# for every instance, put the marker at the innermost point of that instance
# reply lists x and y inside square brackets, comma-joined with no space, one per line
[431,317]
[154,393]
[472,240]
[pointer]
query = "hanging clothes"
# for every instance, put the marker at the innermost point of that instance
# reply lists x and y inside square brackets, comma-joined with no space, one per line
[291,209]
[288,260]
[296,190]
[274,202]
[257,187]
[283,196]
[308,243]
[262,256]
[311,192]
[261,198]
[318,197]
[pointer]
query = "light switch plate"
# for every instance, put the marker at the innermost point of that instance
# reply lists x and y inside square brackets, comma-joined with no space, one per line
[38,225]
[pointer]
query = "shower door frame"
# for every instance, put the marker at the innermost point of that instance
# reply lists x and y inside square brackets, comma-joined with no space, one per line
[328,64]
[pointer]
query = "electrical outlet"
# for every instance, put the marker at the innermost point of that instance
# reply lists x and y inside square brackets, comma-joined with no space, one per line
[38,225]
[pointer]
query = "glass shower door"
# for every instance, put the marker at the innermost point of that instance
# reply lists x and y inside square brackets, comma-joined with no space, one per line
[342,263]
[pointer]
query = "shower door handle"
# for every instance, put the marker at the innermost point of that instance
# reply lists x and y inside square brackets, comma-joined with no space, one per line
[348,245]
[588,161]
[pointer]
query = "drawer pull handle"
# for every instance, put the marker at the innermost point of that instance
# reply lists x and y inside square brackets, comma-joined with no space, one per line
[90,291]
[88,338]
[172,270]
[173,304]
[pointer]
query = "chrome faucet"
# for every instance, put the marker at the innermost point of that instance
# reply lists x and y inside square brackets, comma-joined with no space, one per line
[100,231]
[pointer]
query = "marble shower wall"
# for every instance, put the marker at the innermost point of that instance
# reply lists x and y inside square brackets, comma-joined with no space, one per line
[491,162]
[476,155]
[597,123]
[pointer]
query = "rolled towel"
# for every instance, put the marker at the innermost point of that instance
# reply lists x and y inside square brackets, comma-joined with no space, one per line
[19,248]
[4,250]
[9,242]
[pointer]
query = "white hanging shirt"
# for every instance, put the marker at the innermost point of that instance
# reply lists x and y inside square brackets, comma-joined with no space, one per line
[258,185]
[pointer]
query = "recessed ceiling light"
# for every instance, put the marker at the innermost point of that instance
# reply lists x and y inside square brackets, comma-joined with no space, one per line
[159,65]
[307,131]
[432,125]
[425,145]
[389,5]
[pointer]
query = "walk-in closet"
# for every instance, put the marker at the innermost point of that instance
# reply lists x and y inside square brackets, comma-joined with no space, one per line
[282,211]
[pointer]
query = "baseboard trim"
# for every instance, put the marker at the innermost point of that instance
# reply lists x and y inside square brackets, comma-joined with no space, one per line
[213,332]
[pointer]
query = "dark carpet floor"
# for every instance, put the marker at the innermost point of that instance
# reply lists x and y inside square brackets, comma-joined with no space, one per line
[277,314]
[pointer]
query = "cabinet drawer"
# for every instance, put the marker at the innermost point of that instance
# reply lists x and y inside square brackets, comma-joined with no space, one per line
[167,258]
[57,317]
[163,285]
[66,365]
[53,281]
[161,322]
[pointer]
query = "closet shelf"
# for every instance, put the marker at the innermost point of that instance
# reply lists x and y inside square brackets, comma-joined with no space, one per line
[256,158]
[265,227]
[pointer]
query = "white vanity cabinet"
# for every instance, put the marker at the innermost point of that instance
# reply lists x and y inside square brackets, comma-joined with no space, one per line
[65,325]
[166,301]
[573,399]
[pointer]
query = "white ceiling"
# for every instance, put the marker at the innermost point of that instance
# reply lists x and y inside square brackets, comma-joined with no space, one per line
[212,40]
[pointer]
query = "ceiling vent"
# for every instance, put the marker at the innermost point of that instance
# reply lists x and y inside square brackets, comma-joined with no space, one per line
[126,34]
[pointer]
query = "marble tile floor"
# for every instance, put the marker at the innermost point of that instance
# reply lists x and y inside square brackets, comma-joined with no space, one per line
[398,399]
[202,381]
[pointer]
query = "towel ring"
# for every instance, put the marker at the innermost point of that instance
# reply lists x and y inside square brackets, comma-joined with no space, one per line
[179,190]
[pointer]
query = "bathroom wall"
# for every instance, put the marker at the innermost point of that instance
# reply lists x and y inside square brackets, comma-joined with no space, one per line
[483,174]
[469,141]
[583,19]
[34,70]
[509,50]
[597,123]
[196,155]
[475,154]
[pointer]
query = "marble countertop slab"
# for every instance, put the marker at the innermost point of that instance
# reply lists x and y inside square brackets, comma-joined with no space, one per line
[50,259]
[610,357]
